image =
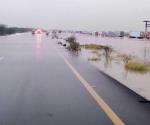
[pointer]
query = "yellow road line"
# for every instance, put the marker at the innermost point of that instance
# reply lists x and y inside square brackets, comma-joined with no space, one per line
[105,107]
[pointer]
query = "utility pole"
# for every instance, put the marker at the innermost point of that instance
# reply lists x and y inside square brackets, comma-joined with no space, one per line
[147,24]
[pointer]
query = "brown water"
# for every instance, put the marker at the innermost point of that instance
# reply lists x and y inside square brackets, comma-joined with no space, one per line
[134,47]
[138,82]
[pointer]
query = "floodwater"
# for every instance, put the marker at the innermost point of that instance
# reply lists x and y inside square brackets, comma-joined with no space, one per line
[134,47]
[138,82]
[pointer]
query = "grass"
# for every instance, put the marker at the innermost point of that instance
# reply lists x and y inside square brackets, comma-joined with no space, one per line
[92,46]
[99,55]
[96,52]
[137,66]
[94,59]
[125,58]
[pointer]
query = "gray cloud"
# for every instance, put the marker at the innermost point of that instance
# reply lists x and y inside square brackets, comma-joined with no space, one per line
[76,14]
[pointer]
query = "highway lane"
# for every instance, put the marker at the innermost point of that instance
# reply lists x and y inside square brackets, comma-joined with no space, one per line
[122,100]
[38,88]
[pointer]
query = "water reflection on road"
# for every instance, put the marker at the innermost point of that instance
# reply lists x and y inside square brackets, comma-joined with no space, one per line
[38,47]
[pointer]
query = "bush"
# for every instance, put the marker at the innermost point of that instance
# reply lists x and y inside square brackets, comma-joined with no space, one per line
[73,44]
[137,66]
[71,39]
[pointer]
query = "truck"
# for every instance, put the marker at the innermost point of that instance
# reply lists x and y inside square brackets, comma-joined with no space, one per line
[139,35]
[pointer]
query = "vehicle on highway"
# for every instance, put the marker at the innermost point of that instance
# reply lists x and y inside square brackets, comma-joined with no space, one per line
[139,35]
[38,31]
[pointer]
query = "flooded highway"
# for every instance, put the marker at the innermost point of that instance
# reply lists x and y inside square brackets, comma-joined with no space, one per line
[39,87]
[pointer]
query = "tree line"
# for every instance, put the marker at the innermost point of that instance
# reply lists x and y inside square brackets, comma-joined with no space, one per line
[5,30]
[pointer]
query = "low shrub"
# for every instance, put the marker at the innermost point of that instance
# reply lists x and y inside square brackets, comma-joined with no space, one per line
[137,66]
[73,44]
[71,39]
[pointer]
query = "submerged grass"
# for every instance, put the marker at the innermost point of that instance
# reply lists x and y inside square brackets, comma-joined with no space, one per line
[94,59]
[73,44]
[137,66]
[96,52]
[92,46]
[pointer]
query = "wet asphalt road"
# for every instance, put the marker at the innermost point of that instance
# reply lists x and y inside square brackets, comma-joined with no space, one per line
[38,88]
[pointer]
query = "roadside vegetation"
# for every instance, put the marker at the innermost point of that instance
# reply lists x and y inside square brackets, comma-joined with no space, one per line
[133,64]
[130,62]
[92,46]
[137,66]
[73,44]
[125,58]
[94,59]
[97,53]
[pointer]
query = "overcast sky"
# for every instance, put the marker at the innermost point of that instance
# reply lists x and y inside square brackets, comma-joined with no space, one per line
[76,14]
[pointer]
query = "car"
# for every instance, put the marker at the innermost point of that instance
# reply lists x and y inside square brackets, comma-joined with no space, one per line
[33,32]
[38,31]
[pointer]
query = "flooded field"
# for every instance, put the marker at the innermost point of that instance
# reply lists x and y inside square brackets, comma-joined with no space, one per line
[136,81]
[134,47]
[114,66]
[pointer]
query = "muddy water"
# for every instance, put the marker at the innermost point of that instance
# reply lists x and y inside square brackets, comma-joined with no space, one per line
[134,47]
[138,82]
